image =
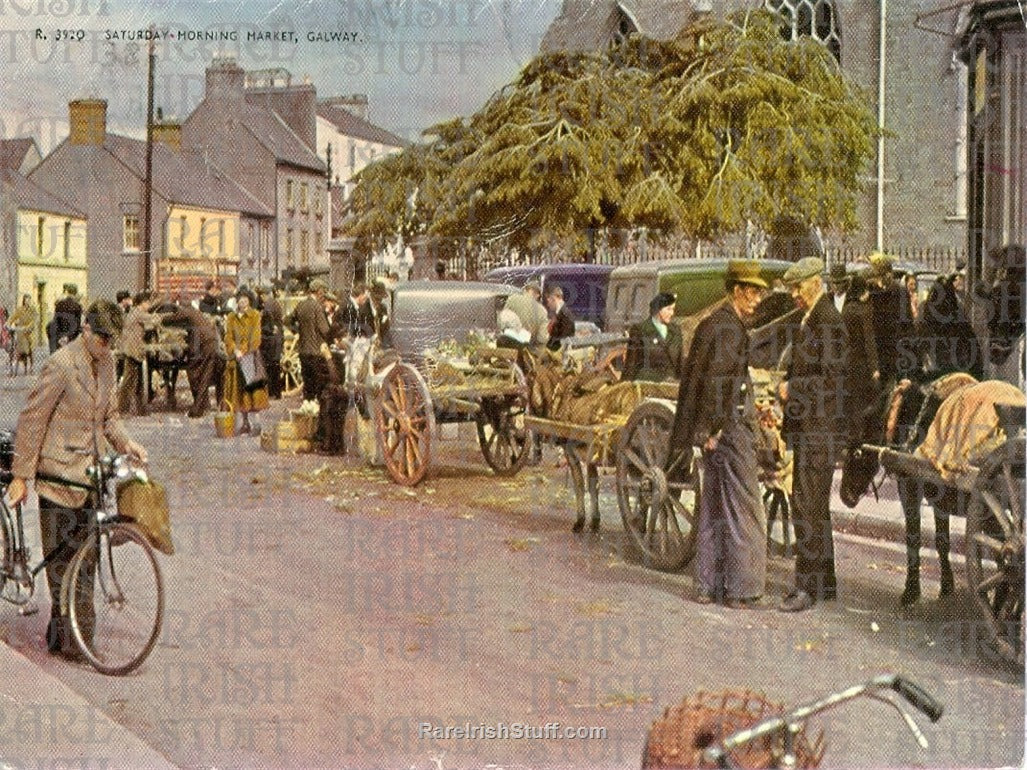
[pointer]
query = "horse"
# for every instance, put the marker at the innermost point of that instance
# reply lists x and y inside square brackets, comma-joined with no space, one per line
[900,419]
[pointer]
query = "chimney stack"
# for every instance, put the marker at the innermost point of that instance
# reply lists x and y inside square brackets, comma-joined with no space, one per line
[225,77]
[354,103]
[88,120]
[169,133]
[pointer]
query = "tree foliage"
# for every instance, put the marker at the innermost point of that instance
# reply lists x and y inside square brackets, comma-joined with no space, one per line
[729,122]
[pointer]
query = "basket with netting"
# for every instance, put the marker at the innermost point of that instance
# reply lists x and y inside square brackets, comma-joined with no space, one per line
[678,738]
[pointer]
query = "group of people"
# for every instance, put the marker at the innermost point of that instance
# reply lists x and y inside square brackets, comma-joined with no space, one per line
[854,341]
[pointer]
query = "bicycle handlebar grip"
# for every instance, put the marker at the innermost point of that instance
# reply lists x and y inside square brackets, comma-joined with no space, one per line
[919,697]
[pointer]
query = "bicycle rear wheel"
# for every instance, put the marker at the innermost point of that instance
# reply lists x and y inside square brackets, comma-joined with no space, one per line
[115,599]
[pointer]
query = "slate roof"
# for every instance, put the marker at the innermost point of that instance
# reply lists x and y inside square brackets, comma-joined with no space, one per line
[13,152]
[185,177]
[29,195]
[585,25]
[268,128]
[355,126]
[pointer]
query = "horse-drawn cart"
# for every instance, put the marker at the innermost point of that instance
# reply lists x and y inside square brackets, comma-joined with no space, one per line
[976,464]
[631,434]
[431,381]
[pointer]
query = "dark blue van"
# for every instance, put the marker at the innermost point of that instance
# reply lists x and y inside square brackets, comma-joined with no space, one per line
[584,285]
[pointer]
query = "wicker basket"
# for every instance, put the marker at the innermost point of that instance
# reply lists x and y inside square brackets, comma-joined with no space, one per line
[304,424]
[679,737]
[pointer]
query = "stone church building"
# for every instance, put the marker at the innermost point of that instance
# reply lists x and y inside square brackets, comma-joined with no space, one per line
[903,54]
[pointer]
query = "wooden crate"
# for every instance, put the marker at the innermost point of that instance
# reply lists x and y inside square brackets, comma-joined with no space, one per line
[282,437]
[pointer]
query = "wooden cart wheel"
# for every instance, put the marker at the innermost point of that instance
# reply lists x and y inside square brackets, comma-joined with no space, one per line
[658,512]
[995,548]
[405,421]
[502,436]
[292,376]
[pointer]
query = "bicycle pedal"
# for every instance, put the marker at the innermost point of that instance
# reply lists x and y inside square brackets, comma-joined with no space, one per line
[28,608]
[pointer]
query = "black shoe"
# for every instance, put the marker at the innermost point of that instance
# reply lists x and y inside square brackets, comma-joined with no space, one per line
[797,601]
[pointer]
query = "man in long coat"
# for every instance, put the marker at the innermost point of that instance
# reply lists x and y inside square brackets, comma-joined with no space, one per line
[813,394]
[311,323]
[204,367]
[716,412]
[654,345]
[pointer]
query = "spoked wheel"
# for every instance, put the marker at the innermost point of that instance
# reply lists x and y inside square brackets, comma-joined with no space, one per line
[115,599]
[995,548]
[658,510]
[292,376]
[503,439]
[405,421]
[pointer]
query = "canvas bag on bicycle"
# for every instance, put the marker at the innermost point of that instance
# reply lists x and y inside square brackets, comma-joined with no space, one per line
[146,504]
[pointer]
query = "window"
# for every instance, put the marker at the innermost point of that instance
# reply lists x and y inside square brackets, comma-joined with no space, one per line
[221,237]
[304,193]
[290,194]
[288,246]
[67,241]
[317,243]
[181,232]
[203,236]
[304,247]
[817,19]
[40,233]
[318,202]
[130,230]
[352,159]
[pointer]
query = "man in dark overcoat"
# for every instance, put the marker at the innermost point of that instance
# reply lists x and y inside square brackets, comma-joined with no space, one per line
[716,412]
[203,365]
[309,321]
[654,345]
[813,395]
[561,325]
[67,317]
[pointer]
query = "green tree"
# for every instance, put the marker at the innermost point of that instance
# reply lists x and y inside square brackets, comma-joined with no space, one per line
[725,124]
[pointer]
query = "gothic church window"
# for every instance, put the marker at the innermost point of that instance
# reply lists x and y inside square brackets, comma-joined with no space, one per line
[817,19]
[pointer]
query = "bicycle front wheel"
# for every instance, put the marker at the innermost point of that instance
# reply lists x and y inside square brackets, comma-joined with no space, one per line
[115,599]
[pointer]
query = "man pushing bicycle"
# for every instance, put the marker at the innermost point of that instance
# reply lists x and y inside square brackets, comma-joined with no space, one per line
[72,407]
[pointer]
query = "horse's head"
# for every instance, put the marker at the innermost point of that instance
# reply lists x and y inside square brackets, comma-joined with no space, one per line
[858,471]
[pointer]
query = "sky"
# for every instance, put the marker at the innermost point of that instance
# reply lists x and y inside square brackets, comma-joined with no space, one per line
[418,61]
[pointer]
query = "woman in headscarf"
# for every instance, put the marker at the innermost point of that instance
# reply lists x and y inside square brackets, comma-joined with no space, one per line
[22,322]
[242,336]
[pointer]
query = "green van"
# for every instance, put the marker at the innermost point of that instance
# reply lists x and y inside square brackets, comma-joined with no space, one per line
[697,283]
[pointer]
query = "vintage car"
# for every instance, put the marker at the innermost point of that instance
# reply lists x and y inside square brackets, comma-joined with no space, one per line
[426,313]
[584,285]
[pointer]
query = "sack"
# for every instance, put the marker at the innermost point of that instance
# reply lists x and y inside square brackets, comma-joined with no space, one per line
[252,371]
[224,420]
[146,504]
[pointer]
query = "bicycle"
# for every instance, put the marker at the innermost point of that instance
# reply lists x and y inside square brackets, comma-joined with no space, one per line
[112,591]
[783,742]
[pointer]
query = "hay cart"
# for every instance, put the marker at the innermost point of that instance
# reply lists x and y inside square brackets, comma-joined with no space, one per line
[657,509]
[431,385]
[994,527]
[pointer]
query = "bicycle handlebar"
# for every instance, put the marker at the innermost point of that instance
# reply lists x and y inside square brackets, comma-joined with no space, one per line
[719,754]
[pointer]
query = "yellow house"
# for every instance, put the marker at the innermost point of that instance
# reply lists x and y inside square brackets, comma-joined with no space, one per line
[49,246]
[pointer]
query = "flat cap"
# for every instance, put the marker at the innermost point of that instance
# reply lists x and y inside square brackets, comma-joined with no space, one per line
[838,272]
[106,318]
[745,271]
[660,301]
[533,285]
[807,267]
[318,285]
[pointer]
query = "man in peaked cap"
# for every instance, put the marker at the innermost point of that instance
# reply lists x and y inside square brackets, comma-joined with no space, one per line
[72,406]
[655,344]
[716,412]
[839,285]
[813,395]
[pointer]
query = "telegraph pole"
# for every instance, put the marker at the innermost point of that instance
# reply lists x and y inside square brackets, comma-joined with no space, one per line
[148,184]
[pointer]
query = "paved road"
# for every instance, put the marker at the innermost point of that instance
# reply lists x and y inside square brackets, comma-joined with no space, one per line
[319,616]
